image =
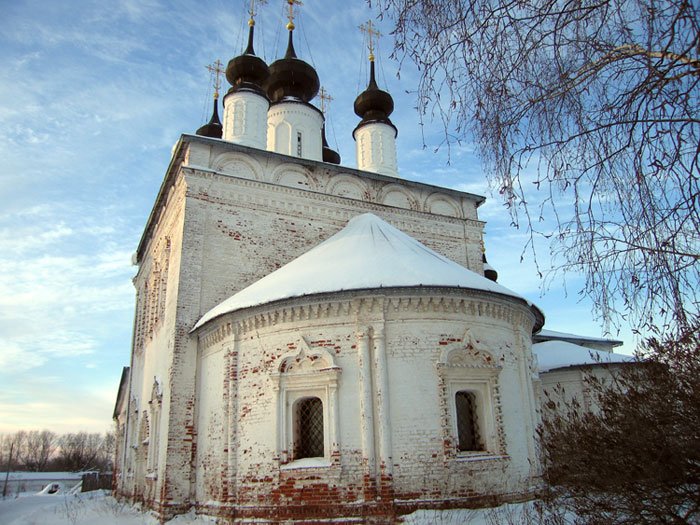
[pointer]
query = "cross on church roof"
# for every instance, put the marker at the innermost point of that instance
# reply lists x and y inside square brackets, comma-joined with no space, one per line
[290,16]
[251,11]
[371,33]
[325,100]
[216,69]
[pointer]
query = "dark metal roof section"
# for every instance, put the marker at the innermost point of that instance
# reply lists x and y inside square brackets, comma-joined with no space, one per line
[213,128]
[489,271]
[291,78]
[329,155]
[374,104]
[247,72]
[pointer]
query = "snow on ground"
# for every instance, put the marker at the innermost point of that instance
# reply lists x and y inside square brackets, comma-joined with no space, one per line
[512,514]
[88,508]
[91,508]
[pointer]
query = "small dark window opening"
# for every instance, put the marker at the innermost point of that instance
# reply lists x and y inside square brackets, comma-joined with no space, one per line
[308,441]
[298,143]
[467,425]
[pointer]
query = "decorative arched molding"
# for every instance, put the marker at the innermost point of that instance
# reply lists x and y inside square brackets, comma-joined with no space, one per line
[321,204]
[468,353]
[441,204]
[307,360]
[293,176]
[398,197]
[349,187]
[238,165]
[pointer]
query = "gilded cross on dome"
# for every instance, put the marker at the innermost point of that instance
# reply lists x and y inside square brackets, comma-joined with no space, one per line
[371,34]
[290,16]
[325,100]
[216,69]
[251,11]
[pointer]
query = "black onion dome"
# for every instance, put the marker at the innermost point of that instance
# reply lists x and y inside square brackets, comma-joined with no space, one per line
[291,77]
[373,104]
[329,155]
[489,271]
[213,128]
[247,71]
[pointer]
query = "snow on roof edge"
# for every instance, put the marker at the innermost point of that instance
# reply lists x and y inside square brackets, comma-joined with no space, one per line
[557,355]
[526,302]
[555,335]
[368,253]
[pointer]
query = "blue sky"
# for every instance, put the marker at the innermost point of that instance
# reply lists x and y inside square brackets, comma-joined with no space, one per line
[92,98]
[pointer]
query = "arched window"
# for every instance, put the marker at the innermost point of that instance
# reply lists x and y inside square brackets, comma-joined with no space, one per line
[308,407]
[308,428]
[467,422]
[469,374]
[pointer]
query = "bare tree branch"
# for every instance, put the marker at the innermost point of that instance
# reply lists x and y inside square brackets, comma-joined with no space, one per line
[599,102]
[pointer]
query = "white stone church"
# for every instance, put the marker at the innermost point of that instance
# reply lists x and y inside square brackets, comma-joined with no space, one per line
[316,342]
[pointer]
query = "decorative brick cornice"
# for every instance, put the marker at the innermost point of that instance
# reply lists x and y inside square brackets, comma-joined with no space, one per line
[343,212]
[378,303]
[216,334]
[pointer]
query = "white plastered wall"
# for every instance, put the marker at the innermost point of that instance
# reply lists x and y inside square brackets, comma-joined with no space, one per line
[375,144]
[410,431]
[294,129]
[245,119]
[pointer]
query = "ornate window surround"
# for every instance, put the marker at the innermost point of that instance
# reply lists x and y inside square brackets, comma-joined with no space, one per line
[154,411]
[466,367]
[307,372]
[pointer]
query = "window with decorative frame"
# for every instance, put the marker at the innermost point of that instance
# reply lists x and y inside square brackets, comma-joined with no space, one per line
[469,378]
[307,383]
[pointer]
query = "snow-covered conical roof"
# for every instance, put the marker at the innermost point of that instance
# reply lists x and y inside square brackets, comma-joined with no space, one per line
[368,253]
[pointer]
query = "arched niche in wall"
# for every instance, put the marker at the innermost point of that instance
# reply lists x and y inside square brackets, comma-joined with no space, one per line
[237,165]
[293,176]
[441,204]
[397,196]
[348,187]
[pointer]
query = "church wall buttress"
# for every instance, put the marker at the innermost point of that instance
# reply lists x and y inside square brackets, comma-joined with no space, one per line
[157,290]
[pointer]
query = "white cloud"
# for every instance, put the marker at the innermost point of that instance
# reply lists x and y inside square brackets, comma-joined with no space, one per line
[57,282]
[13,358]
